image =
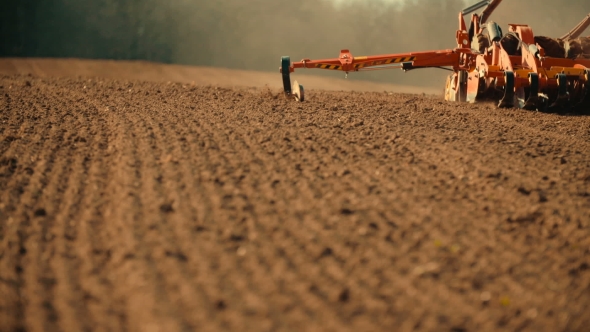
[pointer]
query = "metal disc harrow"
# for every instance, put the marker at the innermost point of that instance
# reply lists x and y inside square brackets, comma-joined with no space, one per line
[516,69]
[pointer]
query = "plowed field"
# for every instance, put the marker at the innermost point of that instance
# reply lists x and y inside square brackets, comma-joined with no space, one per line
[128,205]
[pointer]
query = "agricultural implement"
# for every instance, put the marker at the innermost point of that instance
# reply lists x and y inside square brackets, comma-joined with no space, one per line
[516,69]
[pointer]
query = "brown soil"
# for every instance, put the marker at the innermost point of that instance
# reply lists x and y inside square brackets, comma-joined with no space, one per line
[150,206]
[155,72]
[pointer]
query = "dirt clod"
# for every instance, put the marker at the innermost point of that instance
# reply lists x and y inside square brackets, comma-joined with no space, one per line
[166,208]
[40,212]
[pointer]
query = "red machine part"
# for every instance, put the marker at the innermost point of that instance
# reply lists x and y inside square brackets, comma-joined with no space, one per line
[528,80]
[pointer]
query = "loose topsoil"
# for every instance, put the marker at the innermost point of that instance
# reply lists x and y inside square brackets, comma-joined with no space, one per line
[137,206]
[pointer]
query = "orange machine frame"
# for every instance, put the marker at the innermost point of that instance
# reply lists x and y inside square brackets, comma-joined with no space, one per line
[475,72]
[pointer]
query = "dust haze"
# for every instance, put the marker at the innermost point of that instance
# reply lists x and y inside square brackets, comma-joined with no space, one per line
[254,34]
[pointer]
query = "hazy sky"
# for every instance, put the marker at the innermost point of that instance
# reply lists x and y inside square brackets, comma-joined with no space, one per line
[387,1]
[342,1]
[339,2]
